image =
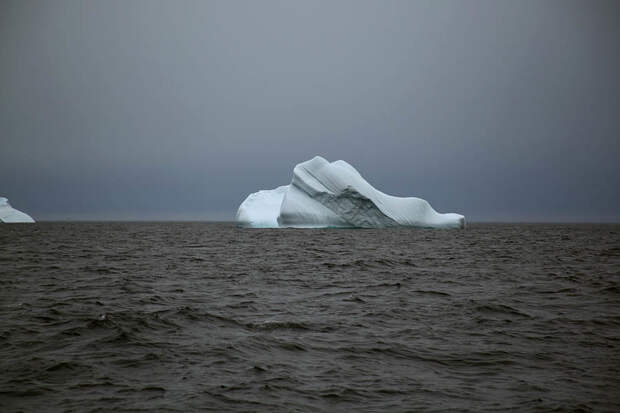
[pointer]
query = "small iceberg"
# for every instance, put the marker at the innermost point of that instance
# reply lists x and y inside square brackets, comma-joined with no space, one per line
[334,194]
[9,214]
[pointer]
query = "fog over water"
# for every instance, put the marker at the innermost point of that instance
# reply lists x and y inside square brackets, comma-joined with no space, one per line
[498,110]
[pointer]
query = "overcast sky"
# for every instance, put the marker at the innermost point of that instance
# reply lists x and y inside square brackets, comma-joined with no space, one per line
[499,110]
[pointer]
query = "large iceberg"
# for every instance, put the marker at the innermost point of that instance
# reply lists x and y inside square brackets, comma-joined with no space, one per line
[333,194]
[9,214]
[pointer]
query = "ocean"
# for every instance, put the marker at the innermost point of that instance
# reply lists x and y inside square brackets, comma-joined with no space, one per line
[177,317]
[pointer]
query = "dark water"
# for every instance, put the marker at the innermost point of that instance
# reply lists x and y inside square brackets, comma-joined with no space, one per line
[204,316]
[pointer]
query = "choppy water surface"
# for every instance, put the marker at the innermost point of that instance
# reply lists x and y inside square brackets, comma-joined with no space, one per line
[205,316]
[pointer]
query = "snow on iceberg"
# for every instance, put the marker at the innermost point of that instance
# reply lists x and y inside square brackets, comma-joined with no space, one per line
[10,215]
[324,194]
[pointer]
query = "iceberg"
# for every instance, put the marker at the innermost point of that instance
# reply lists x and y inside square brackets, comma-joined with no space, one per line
[10,215]
[334,194]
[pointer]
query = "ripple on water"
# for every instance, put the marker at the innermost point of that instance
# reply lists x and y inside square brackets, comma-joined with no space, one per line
[193,316]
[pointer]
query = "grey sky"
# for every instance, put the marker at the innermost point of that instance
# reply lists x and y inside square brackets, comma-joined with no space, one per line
[499,110]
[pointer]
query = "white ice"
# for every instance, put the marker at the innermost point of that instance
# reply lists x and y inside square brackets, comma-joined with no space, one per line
[261,209]
[10,215]
[324,194]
